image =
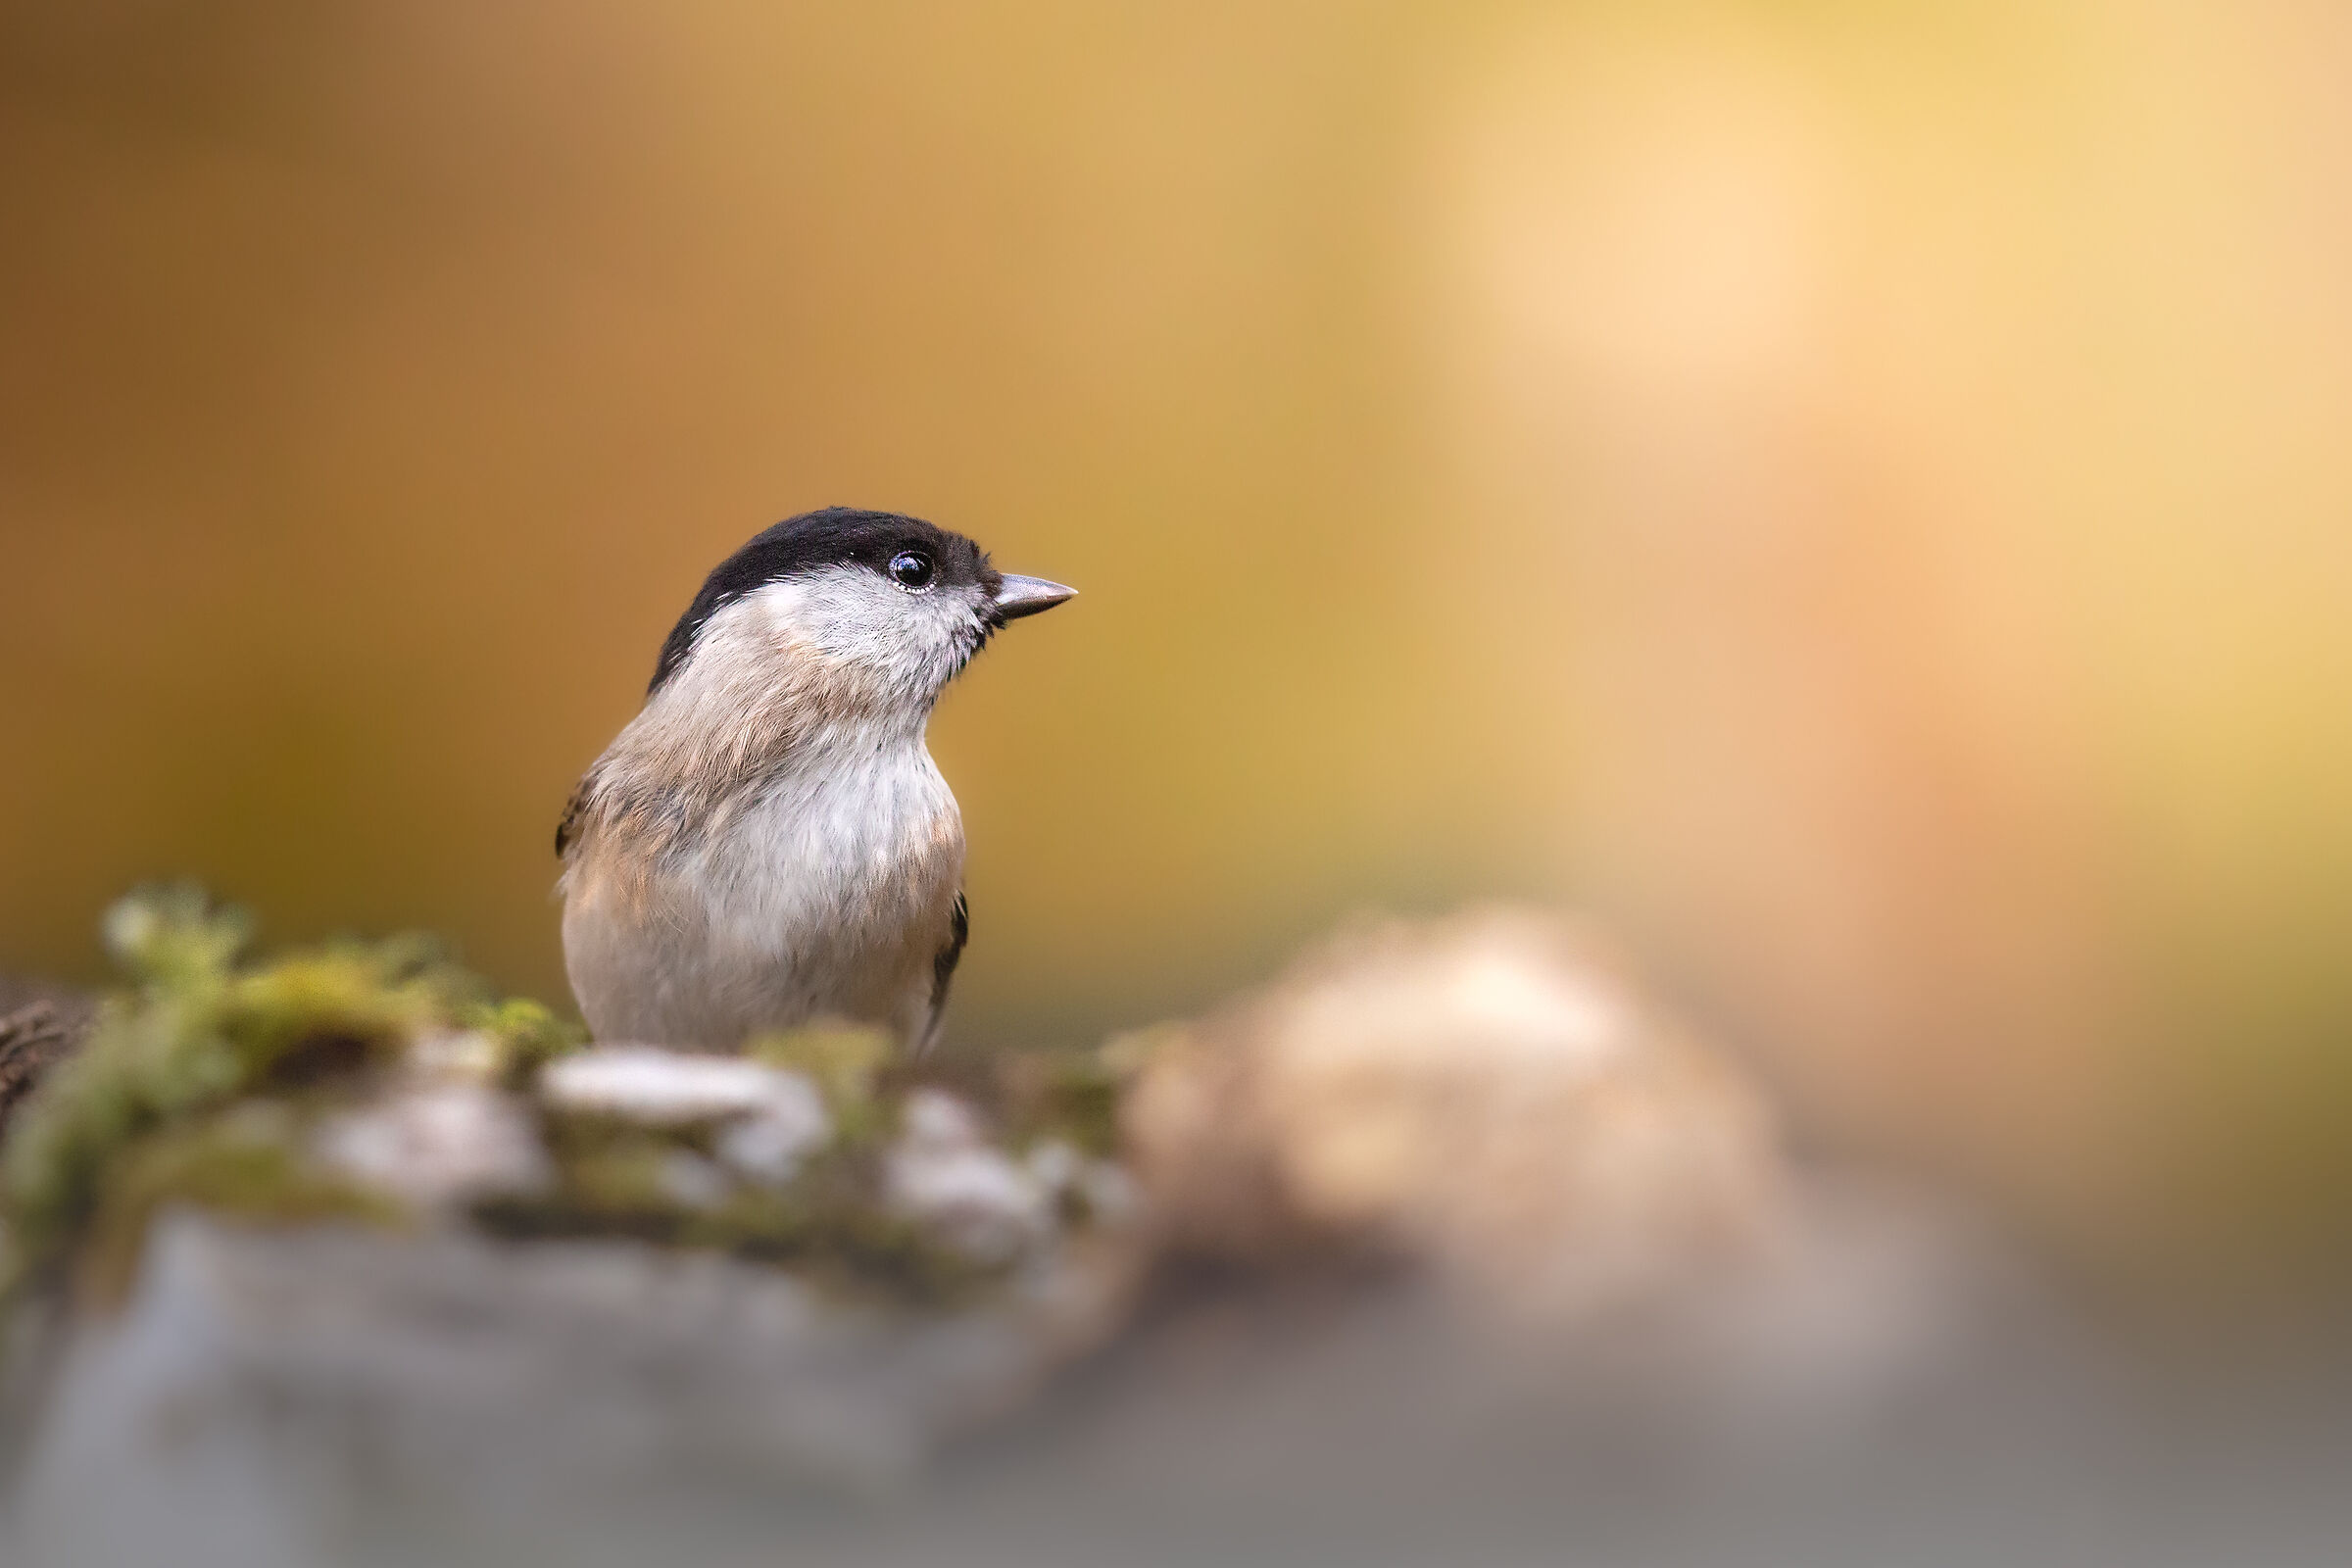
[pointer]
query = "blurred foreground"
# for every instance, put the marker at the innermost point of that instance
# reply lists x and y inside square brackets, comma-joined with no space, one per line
[1853,496]
[1448,1245]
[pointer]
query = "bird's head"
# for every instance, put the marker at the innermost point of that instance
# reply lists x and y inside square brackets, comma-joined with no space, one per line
[859,615]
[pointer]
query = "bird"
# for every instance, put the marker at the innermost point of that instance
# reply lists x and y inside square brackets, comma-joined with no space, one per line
[769,842]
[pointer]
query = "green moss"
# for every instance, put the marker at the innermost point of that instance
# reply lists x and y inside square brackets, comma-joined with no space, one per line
[529,1033]
[856,1247]
[847,1065]
[1071,1096]
[196,1031]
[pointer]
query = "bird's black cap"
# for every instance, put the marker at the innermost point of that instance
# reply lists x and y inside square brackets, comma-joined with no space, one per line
[836,536]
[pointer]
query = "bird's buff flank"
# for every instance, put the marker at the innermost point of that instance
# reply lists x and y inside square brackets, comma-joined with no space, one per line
[768,841]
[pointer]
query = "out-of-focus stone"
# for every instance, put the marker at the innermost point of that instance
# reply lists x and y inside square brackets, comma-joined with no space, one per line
[277,1399]
[669,1088]
[943,1173]
[773,1117]
[436,1144]
[1490,1094]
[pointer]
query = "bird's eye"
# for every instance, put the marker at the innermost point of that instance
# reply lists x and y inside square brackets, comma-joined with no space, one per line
[911,569]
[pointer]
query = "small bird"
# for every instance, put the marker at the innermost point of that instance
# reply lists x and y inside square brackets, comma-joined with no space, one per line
[768,841]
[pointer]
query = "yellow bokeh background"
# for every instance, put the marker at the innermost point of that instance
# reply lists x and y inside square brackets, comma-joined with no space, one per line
[1856,498]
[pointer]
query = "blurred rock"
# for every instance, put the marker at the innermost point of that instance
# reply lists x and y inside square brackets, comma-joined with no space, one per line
[1466,1194]
[667,1088]
[1573,1201]
[273,1398]
[437,1144]
[1490,1095]
[280,1395]
[769,1118]
[943,1173]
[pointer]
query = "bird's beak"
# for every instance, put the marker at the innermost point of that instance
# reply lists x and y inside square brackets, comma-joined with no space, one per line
[1027,596]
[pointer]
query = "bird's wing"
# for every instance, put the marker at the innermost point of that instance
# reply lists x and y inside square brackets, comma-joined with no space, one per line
[568,831]
[944,961]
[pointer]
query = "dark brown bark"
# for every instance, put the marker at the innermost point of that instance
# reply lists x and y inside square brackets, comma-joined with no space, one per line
[39,1029]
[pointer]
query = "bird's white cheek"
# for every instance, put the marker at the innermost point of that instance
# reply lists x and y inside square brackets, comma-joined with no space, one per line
[879,644]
